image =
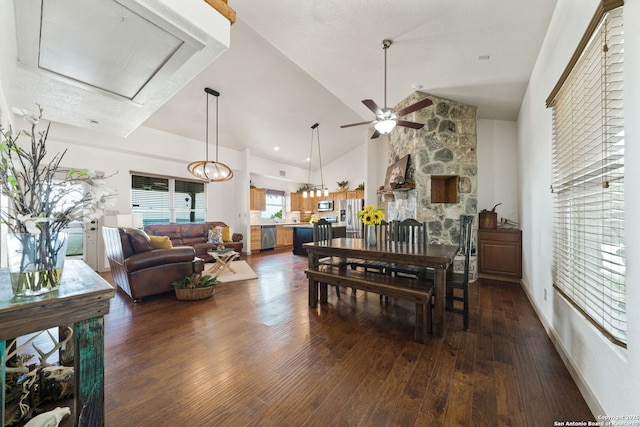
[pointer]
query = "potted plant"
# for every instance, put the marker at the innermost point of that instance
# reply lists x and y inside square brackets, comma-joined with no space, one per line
[195,287]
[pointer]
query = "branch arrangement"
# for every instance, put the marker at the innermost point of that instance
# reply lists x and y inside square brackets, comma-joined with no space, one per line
[42,196]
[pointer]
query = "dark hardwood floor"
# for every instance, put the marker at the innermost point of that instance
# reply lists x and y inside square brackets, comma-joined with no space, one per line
[256,354]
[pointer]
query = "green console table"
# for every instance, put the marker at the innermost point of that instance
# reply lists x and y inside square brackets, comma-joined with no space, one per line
[81,301]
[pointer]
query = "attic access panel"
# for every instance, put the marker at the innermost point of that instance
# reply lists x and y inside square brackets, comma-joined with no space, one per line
[116,46]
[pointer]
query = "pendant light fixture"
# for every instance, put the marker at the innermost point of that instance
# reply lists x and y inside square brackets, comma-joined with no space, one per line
[312,190]
[308,191]
[207,170]
[322,190]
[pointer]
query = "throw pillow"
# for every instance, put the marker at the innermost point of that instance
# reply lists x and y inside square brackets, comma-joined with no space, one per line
[226,234]
[139,240]
[215,236]
[160,242]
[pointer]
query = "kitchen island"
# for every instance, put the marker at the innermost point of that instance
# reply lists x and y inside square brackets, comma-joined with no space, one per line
[303,233]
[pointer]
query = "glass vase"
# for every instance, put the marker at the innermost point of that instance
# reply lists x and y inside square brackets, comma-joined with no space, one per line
[36,262]
[371,235]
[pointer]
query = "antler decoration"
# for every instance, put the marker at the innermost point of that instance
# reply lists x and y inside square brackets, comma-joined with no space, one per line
[57,345]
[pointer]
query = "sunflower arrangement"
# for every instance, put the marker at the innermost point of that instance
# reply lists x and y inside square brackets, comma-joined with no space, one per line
[370,215]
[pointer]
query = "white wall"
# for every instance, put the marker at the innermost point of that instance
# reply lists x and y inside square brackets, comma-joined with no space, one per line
[350,167]
[498,167]
[607,375]
[150,151]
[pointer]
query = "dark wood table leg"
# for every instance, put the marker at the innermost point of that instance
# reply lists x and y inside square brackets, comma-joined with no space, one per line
[324,293]
[438,309]
[313,293]
[421,322]
[313,284]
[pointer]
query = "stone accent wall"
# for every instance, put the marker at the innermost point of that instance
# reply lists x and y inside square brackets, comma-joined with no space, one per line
[445,146]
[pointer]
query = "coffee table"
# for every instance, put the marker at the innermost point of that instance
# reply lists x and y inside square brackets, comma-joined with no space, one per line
[223,261]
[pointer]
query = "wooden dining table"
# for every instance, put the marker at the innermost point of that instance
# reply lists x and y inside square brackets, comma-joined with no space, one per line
[435,256]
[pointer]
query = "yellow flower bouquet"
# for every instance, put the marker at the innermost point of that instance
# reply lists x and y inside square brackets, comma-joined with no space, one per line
[370,215]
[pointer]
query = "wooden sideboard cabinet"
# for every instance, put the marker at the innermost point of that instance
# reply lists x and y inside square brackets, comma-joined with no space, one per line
[500,254]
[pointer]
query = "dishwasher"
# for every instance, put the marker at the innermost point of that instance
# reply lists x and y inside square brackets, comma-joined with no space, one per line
[267,237]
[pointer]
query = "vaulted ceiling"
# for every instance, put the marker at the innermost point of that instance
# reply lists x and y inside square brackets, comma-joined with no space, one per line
[293,63]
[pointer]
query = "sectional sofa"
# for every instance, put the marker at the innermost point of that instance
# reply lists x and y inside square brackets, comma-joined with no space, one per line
[196,235]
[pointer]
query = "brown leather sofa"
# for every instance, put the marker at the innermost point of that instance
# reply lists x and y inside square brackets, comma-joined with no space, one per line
[140,270]
[194,234]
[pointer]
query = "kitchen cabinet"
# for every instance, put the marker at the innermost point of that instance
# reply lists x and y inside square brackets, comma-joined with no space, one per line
[300,204]
[354,194]
[284,236]
[255,238]
[310,204]
[500,253]
[279,236]
[297,202]
[288,236]
[337,196]
[258,201]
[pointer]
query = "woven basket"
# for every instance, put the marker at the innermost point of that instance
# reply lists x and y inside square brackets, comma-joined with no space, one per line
[186,294]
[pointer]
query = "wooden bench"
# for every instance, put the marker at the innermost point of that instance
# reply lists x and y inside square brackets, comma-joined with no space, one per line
[404,288]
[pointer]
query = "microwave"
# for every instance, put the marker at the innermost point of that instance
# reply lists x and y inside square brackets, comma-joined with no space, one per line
[325,205]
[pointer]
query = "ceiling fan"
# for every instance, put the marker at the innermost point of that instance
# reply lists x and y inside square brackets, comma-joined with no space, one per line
[387,118]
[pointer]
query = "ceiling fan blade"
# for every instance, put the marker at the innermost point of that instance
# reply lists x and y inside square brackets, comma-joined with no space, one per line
[375,135]
[372,106]
[414,107]
[412,125]
[356,124]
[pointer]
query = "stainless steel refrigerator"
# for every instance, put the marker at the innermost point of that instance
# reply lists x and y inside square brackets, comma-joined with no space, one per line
[349,216]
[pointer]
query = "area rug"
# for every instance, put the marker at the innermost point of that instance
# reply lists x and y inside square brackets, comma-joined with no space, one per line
[242,269]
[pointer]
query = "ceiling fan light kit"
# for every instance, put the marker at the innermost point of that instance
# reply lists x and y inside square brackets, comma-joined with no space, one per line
[387,118]
[207,170]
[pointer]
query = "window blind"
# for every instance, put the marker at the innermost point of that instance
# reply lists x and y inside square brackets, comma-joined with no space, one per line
[163,199]
[188,201]
[588,181]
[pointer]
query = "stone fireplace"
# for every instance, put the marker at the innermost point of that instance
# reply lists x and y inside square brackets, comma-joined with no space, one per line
[442,164]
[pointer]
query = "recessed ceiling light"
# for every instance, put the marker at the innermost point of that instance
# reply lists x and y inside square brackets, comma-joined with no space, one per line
[483,57]
[308,159]
[276,148]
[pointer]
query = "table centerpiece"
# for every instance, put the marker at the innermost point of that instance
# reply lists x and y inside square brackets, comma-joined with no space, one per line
[44,198]
[371,216]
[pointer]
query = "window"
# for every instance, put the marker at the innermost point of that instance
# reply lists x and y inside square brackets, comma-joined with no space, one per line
[163,199]
[275,205]
[68,197]
[588,178]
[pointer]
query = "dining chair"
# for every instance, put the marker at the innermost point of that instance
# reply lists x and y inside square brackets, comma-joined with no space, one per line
[411,231]
[460,281]
[322,232]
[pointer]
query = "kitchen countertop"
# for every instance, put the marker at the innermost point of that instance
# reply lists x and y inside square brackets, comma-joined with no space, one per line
[307,225]
[297,224]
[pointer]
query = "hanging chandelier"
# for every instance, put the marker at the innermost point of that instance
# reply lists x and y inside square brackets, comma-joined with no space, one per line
[207,170]
[312,190]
